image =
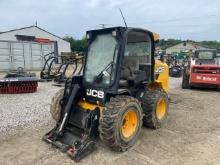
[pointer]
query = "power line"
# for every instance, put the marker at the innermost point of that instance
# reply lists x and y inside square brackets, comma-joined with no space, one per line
[177,19]
[190,25]
[168,20]
[172,26]
[185,33]
[193,25]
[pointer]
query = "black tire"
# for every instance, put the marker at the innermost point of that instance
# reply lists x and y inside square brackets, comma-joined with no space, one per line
[185,81]
[149,104]
[170,72]
[177,73]
[112,120]
[55,107]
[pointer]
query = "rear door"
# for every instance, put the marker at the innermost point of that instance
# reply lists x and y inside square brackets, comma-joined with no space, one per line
[17,51]
[38,51]
[36,55]
[48,48]
[5,56]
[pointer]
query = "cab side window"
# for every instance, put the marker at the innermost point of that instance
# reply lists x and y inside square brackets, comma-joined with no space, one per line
[139,45]
[138,53]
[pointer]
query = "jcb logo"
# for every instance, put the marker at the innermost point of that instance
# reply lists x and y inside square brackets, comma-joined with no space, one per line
[159,69]
[95,93]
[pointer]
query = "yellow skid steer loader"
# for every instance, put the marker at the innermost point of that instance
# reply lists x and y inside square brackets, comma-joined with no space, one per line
[121,88]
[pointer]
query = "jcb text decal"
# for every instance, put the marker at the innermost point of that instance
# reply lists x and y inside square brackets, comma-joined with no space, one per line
[159,69]
[95,93]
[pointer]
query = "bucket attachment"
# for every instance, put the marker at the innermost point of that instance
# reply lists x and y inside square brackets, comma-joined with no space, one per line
[77,138]
[77,128]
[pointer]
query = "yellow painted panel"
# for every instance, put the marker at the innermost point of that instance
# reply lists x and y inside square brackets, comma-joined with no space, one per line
[156,36]
[89,106]
[162,69]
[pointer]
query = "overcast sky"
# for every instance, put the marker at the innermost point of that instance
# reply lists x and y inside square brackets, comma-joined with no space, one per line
[185,19]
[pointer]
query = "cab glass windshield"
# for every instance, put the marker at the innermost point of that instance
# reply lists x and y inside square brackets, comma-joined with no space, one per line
[101,60]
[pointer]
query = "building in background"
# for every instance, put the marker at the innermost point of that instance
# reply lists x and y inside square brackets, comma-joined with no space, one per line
[26,47]
[184,47]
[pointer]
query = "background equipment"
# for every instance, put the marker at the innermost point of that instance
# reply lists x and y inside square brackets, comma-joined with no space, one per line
[176,63]
[59,72]
[18,82]
[48,71]
[175,68]
[203,69]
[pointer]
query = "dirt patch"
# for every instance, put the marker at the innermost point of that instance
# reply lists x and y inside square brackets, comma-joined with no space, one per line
[190,136]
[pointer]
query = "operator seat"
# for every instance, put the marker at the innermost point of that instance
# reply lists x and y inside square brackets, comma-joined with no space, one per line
[130,72]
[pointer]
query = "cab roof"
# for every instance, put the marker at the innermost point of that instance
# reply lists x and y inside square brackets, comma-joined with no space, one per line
[156,36]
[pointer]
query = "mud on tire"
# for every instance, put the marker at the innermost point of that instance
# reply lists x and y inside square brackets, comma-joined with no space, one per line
[55,107]
[149,104]
[111,122]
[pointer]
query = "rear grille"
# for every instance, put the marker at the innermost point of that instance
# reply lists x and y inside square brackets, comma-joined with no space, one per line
[206,70]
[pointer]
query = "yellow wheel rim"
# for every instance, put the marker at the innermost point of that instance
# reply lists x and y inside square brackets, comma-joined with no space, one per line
[161,109]
[130,122]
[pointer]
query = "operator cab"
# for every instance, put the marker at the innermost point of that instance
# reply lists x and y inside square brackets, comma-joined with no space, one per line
[205,57]
[119,58]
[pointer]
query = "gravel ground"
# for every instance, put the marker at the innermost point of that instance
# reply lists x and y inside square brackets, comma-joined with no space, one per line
[29,110]
[190,136]
[26,110]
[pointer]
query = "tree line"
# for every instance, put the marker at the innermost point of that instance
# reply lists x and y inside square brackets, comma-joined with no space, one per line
[171,42]
[79,45]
